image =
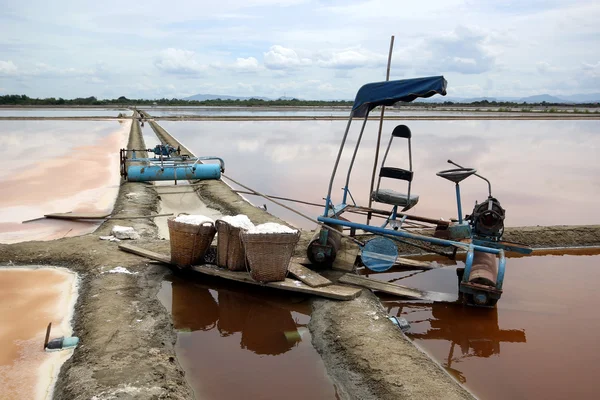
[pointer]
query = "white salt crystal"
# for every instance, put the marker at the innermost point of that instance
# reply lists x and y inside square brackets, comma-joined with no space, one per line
[124,232]
[271,227]
[121,270]
[193,219]
[238,221]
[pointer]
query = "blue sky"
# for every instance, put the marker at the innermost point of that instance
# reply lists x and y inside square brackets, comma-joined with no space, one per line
[323,49]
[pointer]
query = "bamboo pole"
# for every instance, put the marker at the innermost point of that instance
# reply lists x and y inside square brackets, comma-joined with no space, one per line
[387,78]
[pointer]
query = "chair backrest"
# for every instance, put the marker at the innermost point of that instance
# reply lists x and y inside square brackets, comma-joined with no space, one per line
[400,131]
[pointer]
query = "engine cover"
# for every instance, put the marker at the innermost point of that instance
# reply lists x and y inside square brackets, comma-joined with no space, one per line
[487,219]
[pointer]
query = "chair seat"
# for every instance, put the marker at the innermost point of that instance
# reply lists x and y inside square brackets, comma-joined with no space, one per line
[394,198]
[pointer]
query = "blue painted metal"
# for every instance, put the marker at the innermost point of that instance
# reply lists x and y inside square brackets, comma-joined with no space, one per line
[337,210]
[458,204]
[407,235]
[145,173]
[379,254]
[468,263]
[501,270]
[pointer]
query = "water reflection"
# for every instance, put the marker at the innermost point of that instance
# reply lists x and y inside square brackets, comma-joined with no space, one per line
[294,159]
[469,332]
[259,339]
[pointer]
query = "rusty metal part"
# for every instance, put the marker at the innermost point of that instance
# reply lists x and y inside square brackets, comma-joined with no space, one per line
[484,270]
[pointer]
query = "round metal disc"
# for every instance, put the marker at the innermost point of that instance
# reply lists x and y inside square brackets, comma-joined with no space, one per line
[379,254]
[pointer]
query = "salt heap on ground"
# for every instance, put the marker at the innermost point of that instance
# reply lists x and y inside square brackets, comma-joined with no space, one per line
[194,219]
[271,227]
[239,221]
[124,232]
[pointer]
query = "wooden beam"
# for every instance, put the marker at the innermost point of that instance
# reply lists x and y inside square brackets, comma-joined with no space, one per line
[71,216]
[394,289]
[145,253]
[409,263]
[336,292]
[309,277]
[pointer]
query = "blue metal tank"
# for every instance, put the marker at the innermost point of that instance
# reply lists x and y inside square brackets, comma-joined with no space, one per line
[146,173]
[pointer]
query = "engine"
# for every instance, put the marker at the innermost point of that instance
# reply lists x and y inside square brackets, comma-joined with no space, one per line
[487,219]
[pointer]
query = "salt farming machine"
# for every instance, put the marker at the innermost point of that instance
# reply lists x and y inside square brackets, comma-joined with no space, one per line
[479,234]
[167,164]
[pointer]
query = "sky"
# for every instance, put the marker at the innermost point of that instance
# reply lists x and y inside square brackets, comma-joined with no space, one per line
[310,49]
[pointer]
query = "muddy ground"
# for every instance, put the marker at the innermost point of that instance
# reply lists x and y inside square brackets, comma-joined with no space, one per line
[127,336]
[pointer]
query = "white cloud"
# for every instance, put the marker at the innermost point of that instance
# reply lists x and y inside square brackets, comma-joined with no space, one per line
[249,64]
[279,57]
[178,61]
[544,67]
[592,70]
[350,59]
[7,68]
[463,50]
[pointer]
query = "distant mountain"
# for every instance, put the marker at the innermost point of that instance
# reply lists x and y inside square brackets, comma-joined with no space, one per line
[541,98]
[583,98]
[202,97]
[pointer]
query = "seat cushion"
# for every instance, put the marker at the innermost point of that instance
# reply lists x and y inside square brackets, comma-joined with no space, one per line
[394,198]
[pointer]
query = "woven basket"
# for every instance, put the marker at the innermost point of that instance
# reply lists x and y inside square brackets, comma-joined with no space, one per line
[222,242]
[269,254]
[230,251]
[265,329]
[189,242]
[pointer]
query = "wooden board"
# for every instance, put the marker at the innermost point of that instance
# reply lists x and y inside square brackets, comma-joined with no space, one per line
[394,289]
[346,257]
[145,253]
[412,264]
[78,215]
[336,292]
[309,277]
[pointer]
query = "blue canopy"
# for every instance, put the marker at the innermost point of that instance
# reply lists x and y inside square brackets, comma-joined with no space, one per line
[387,93]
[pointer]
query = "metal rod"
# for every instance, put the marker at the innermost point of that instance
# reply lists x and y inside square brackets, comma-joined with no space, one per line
[362,130]
[387,78]
[337,162]
[407,235]
[477,175]
[460,219]
[296,212]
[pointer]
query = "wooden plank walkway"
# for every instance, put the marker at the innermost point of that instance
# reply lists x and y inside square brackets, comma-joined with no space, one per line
[331,291]
[308,276]
[336,292]
[145,253]
[397,290]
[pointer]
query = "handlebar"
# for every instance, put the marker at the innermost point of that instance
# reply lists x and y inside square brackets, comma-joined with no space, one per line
[477,175]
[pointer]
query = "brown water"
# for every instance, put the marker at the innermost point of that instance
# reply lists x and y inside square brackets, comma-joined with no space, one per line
[240,342]
[29,300]
[540,342]
[543,172]
[57,166]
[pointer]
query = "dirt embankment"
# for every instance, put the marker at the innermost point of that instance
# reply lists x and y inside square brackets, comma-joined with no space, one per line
[127,339]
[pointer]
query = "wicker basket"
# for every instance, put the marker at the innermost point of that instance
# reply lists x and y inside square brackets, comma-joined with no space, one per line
[269,254]
[189,242]
[222,242]
[230,251]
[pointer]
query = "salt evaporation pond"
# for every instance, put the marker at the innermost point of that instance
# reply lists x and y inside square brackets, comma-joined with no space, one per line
[240,342]
[29,300]
[64,112]
[538,343]
[57,166]
[543,172]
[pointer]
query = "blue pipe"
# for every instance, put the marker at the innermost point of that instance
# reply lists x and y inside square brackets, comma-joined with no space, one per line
[145,173]
[460,219]
[407,235]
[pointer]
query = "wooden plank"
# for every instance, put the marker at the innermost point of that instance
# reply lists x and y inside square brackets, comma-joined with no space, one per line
[346,257]
[413,264]
[69,215]
[309,277]
[394,289]
[145,253]
[336,292]
[99,216]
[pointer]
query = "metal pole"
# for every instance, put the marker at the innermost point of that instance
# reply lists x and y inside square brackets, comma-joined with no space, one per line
[337,161]
[387,78]
[362,130]
[460,219]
